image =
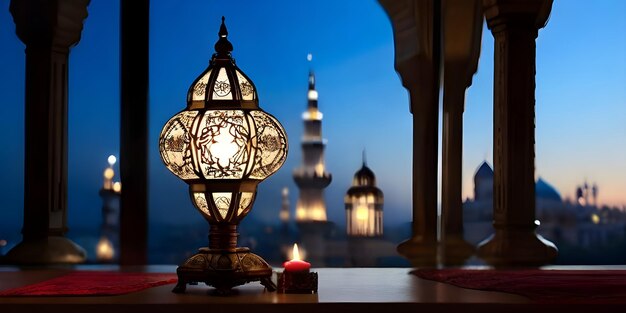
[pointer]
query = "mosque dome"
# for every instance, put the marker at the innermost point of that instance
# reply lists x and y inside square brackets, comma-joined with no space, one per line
[484,171]
[364,177]
[483,183]
[364,182]
[545,191]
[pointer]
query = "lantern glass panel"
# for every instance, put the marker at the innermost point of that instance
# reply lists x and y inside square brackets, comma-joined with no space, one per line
[199,90]
[199,199]
[271,143]
[222,202]
[244,203]
[223,147]
[175,145]
[221,89]
[246,88]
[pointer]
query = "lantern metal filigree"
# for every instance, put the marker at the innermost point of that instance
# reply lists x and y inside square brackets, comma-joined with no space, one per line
[223,145]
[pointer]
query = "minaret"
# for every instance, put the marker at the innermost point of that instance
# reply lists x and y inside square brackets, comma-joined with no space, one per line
[311,177]
[586,192]
[594,194]
[109,230]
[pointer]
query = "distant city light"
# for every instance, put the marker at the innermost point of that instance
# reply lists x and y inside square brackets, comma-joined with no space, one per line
[105,250]
[117,186]
[108,173]
[595,218]
[112,159]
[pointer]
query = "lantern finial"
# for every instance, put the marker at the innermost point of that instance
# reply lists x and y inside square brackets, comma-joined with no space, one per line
[223,31]
[223,46]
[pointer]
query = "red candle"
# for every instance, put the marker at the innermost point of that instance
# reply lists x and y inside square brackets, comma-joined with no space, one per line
[296,265]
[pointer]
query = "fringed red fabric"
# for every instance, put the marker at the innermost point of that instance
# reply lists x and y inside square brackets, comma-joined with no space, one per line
[543,286]
[93,283]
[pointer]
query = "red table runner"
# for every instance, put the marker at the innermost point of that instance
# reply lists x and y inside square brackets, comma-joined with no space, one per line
[93,283]
[545,286]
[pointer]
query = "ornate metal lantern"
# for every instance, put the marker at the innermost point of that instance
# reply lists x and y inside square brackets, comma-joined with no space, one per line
[364,205]
[223,145]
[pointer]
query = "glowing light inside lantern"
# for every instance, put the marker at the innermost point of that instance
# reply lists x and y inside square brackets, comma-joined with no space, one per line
[224,147]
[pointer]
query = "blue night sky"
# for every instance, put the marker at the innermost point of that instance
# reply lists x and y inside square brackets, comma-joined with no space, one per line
[581,99]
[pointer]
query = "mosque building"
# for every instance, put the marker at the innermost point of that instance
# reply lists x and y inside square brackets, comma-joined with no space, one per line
[364,205]
[577,223]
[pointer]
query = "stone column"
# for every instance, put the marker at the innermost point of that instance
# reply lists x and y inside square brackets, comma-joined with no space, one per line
[48,29]
[417,37]
[462,32]
[514,25]
[134,33]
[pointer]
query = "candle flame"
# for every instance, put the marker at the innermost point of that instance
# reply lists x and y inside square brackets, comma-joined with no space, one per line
[296,253]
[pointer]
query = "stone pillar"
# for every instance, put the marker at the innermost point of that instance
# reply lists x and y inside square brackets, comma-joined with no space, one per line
[134,31]
[514,25]
[48,29]
[417,37]
[462,31]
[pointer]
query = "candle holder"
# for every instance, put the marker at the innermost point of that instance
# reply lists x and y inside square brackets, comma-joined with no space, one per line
[302,282]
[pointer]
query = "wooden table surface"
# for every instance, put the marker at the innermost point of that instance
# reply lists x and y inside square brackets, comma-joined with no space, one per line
[340,290]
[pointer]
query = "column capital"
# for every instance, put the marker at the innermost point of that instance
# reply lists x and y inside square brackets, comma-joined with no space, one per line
[49,23]
[417,50]
[462,25]
[503,13]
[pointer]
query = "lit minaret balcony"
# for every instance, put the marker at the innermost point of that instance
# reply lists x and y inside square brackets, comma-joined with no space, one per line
[284,209]
[311,177]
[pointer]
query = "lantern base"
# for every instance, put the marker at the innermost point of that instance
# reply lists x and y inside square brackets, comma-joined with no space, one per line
[224,269]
